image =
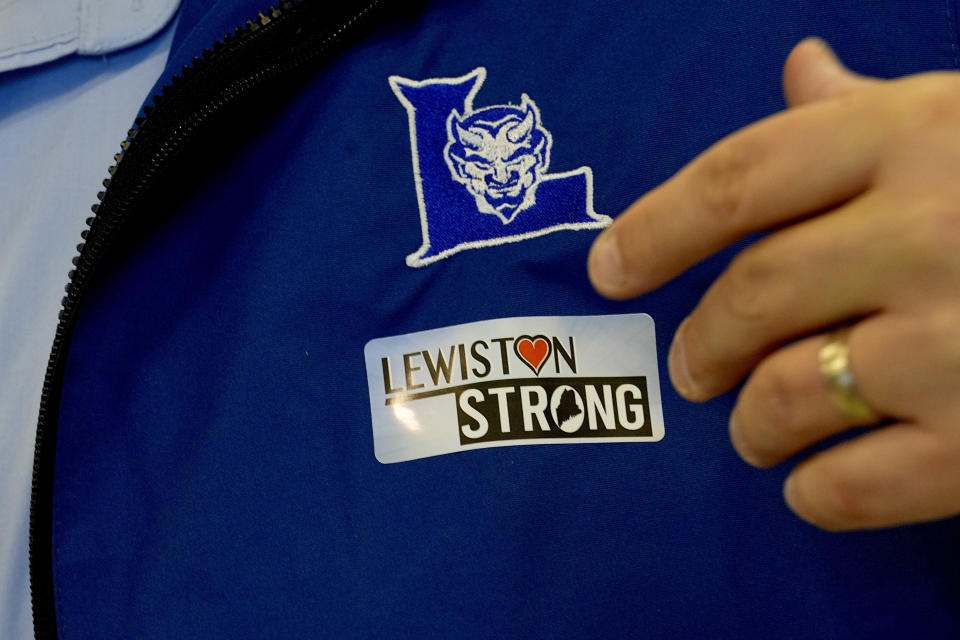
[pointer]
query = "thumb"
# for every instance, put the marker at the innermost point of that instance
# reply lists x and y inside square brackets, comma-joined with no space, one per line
[812,72]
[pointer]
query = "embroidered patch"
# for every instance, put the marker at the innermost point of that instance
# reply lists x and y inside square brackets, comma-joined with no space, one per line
[481,174]
[514,381]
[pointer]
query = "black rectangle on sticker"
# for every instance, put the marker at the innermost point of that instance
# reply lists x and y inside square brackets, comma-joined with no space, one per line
[535,408]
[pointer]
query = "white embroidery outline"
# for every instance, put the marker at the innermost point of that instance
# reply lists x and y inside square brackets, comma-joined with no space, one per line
[416,259]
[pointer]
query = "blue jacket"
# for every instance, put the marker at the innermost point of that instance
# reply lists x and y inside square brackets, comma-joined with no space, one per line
[218,455]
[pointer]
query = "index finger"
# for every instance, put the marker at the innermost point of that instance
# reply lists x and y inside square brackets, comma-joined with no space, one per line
[780,169]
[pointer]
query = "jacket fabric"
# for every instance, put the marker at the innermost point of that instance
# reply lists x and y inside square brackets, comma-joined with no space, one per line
[221,453]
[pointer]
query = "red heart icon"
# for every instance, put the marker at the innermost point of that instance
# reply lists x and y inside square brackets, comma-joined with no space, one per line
[533,350]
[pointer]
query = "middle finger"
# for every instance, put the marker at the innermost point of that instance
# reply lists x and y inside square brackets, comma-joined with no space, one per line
[801,279]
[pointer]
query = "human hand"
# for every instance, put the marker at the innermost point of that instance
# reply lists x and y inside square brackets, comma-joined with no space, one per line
[859,182]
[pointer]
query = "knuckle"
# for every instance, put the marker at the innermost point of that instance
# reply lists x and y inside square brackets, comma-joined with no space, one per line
[944,332]
[936,101]
[774,389]
[745,287]
[935,229]
[943,453]
[722,178]
[842,504]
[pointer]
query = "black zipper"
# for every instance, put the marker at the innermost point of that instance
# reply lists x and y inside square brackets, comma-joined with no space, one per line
[298,35]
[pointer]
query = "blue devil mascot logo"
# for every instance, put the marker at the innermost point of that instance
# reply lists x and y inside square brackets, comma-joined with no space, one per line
[481,174]
[500,155]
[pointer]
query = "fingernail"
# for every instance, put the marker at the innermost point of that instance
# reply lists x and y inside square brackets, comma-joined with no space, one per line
[790,494]
[606,265]
[677,363]
[736,439]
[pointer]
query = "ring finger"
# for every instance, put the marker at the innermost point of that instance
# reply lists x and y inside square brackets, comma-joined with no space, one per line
[786,405]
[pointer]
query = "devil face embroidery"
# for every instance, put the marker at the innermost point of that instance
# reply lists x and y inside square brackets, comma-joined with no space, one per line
[500,155]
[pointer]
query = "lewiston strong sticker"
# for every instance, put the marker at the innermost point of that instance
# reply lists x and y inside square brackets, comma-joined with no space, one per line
[513,381]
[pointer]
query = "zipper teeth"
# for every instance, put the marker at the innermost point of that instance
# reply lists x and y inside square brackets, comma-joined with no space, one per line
[103,227]
[107,225]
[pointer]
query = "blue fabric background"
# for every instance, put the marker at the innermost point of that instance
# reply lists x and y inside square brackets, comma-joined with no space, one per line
[216,475]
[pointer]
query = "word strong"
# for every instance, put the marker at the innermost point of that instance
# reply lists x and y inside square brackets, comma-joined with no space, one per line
[514,381]
[554,408]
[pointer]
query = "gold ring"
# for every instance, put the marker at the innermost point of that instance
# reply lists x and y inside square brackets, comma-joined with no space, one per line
[835,368]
